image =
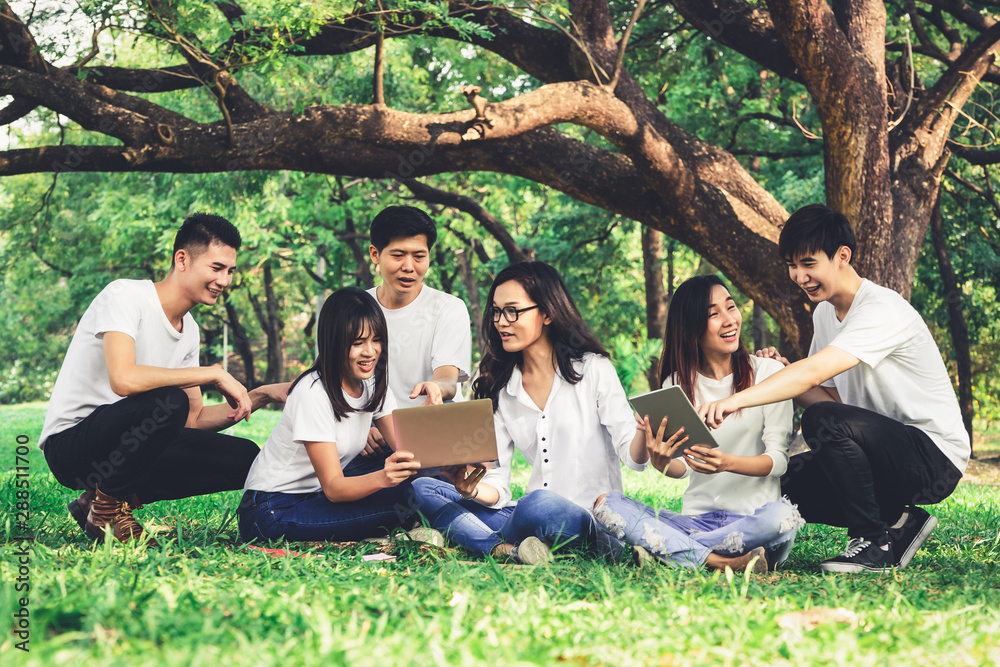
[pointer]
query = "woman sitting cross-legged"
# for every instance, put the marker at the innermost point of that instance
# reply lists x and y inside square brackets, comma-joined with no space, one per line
[297,488]
[556,397]
[733,514]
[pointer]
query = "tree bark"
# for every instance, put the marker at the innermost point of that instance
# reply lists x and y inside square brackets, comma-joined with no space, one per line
[475,309]
[956,318]
[267,315]
[759,326]
[241,344]
[656,297]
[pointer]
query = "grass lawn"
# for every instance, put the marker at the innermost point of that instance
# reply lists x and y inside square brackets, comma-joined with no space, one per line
[202,600]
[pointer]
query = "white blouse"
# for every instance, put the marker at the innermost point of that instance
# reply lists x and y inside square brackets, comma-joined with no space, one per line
[575,443]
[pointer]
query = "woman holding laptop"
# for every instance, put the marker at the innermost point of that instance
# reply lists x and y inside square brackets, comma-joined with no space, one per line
[556,398]
[296,488]
[732,508]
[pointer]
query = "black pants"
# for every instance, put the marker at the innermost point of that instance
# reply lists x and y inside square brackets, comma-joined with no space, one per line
[863,469]
[140,445]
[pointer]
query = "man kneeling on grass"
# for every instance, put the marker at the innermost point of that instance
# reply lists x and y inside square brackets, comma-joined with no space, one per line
[881,420]
[126,421]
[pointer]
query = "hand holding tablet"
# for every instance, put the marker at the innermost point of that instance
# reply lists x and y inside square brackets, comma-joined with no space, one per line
[671,404]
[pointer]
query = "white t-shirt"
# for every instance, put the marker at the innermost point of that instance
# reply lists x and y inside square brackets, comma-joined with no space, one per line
[901,374]
[431,331]
[131,307]
[575,444]
[765,429]
[283,464]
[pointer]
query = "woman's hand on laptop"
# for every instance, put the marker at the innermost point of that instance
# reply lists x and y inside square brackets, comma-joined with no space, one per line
[399,467]
[465,478]
[431,390]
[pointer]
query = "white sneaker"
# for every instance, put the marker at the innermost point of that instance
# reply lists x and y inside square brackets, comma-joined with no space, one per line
[642,558]
[531,551]
[426,535]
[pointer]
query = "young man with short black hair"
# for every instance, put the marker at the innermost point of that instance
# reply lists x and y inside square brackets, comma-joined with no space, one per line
[430,339]
[882,421]
[430,336]
[126,422]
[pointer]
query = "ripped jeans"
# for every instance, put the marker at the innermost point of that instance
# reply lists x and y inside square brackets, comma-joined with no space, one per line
[687,540]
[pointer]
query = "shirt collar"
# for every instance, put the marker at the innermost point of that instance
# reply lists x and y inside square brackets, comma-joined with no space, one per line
[515,388]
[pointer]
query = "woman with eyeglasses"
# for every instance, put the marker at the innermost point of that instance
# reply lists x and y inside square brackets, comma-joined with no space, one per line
[557,398]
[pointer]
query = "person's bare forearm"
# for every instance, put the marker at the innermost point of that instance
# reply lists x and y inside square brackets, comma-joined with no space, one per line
[637,450]
[448,388]
[487,495]
[131,380]
[347,489]
[217,417]
[752,466]
[818,394]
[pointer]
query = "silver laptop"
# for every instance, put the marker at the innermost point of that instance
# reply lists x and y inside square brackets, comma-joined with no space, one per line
[675,406]
[448,434]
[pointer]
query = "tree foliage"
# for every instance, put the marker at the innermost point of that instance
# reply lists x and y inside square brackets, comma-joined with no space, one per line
[709,122]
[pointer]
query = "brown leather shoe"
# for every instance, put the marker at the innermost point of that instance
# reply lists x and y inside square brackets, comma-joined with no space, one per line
[80,508]
[108,511]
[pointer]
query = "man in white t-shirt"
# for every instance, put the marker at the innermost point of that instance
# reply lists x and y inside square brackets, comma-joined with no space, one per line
[882,421]
[430,336]
[126,422]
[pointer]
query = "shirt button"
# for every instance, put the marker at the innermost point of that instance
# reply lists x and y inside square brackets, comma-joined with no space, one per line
[546,460]
[543,439]
[545,451]
[545,484]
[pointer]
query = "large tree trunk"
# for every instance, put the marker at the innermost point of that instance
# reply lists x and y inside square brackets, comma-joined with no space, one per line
[241,344]
[656,297]
[956,318]
[267,315]
[475,309]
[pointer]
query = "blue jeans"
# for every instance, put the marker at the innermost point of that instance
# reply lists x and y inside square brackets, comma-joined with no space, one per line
[265,515]
[543,514]
[688,539]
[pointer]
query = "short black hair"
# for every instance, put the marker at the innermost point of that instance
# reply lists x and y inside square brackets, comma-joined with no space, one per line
[202,230]
[812,228]
[401,222]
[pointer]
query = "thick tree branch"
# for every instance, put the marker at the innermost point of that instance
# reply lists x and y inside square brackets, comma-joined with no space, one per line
[17,109]
[17,46]
[978,156]
[496,229]
[744,28]
[130,119]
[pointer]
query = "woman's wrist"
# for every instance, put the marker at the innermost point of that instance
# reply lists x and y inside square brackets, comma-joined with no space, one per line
[471,496]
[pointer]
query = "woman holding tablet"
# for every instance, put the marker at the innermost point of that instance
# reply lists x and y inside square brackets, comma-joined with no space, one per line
[557,398]
[296,488]
[732,509]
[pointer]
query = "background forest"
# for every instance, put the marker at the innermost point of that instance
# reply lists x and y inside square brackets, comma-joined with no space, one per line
[64,235]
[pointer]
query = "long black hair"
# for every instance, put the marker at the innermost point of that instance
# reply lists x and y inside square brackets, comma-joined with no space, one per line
[345,316]
[687,320]
[570,336]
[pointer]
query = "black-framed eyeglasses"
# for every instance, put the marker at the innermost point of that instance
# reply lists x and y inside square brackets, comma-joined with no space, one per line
[510,313]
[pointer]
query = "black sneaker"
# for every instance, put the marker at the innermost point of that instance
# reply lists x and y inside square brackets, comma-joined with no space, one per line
[912,535]
[861,555]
